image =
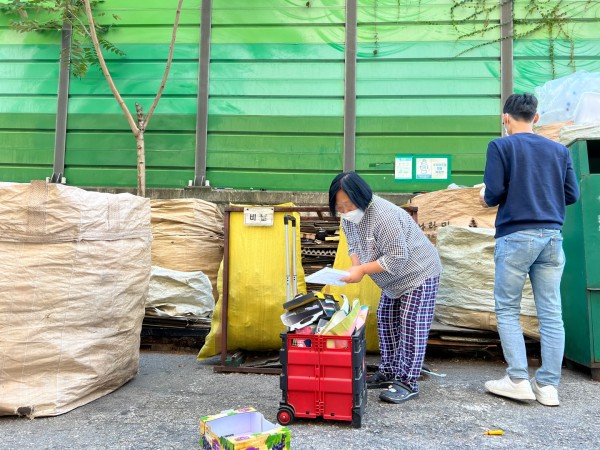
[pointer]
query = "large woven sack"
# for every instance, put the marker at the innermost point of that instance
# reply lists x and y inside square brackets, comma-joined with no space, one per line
[466,292]
[76,266]
[179,294]
[188,237]
[459,207]
[552,130]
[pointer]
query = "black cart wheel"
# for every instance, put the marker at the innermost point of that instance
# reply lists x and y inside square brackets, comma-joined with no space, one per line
[285,415]
[356,419]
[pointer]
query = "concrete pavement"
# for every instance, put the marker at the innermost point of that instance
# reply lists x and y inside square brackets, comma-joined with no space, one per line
[161,407]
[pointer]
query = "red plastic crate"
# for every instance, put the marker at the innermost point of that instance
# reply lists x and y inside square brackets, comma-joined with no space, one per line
[323,376]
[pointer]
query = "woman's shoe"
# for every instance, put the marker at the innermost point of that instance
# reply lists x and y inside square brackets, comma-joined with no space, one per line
[398,393]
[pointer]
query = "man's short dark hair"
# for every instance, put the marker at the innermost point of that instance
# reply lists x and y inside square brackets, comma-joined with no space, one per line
[355,187]
[521,106]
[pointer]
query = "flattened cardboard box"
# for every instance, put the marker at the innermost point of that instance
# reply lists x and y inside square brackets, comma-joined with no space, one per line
[242,429]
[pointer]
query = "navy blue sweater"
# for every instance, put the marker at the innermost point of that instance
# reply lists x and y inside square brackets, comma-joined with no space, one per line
[532,180]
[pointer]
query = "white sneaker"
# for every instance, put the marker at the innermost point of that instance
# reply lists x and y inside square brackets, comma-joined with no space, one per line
[546,395]
[518,390]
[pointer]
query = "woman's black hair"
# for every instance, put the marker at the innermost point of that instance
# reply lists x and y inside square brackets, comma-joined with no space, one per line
[355,187]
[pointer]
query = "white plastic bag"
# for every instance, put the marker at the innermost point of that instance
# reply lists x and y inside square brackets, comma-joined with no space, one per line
[588,109]
[558,99]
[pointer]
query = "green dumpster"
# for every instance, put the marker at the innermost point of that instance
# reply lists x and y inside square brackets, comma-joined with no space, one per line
[580,287]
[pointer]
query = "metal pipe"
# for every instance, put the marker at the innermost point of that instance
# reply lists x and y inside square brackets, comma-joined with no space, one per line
[225,297]
[506,50]
[62,101]
[203,87]
[350,87]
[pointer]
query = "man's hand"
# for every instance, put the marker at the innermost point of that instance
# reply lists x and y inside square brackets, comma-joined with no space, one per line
[356,274]
[481,200]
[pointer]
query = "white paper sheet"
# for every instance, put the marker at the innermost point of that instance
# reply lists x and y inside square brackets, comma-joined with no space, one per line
[327,275]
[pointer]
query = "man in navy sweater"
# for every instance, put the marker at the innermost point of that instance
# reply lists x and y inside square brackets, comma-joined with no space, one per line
[531,179]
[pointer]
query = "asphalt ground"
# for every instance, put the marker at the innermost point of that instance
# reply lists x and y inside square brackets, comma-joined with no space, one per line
[161,407]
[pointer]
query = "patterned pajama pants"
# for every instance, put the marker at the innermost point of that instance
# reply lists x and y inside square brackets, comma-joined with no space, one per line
[403,326]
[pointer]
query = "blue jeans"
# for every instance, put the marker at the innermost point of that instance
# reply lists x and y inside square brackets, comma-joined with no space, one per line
[539,253]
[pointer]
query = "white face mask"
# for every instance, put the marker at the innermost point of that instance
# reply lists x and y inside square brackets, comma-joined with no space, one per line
[354,216]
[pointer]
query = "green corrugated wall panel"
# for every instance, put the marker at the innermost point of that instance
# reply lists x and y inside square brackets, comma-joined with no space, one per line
[32,86]
[141,79]
[269,52]
[437,51]
[579,40]
[428,106]
[26,142]
[278,74]
[386,182]
[427,69]
[145,70]
[279,181]
[273,161]
[277,71]
[25,156]
[28,84]
[431,125]
[150,12]
[267,5]
[19,104]
[109,159]
[119,149]
[578,31]
[276,106]
[579,9]
[216,123]
[301,34]
[151,22]
[531,74]
[375,156]
[127,177]
[267,88]
[276,90]
[277,79]
[136,53]
[25,78]
[275,152]
[448,50]
[20,174]
[392,145]
[420,32]
[118,123]
[127,157]
[277,12]
[27,53]
[32,121]
[332,34]
[152,35]
[10,37]
[420,87]
[540,49]
[275,124]
[420,90]
[394,11]
[427,79]
[108,105]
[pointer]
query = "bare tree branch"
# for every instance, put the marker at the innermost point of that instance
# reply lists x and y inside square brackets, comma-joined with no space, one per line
[111,84]
[167,68]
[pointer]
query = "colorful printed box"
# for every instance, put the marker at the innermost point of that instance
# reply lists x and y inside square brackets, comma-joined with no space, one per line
[242,429]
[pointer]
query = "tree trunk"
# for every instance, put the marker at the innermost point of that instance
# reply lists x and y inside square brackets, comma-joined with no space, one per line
[141,166]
